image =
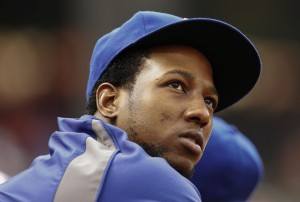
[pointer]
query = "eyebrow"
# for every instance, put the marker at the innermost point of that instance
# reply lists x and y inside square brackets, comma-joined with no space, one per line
[186,74]
[189,75]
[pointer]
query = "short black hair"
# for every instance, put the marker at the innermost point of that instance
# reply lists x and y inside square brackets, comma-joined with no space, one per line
[121,72]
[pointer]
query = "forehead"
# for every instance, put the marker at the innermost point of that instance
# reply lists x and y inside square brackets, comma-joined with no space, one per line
[178,57]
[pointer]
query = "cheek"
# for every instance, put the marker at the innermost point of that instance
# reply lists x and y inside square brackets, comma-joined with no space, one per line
[165,117]
[170,119]
[166,112]
[207,132]
[157,113]
[142,118]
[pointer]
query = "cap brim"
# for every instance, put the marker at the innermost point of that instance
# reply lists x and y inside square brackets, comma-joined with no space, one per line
[234,59]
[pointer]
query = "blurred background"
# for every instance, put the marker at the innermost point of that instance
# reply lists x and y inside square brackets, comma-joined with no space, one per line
[45,49]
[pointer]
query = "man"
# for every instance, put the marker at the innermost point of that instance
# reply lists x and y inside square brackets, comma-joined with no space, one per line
[154,85]
[231,167]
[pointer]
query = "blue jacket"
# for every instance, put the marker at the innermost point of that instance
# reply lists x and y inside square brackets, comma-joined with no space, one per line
[231,167]
[90,160]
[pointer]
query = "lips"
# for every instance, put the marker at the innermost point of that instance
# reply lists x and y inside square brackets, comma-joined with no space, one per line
[193,141]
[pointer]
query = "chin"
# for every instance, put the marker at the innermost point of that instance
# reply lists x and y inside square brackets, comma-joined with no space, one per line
[186,173]
[183,170]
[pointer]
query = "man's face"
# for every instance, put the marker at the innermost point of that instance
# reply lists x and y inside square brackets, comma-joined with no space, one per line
[169,110]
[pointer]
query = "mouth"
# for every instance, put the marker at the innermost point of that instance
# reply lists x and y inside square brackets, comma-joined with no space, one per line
[193,141]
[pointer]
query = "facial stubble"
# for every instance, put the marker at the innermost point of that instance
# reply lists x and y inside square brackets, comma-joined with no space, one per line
[152,149]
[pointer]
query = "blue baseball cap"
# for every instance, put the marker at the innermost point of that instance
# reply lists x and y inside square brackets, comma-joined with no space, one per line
[235,61]
[230,168]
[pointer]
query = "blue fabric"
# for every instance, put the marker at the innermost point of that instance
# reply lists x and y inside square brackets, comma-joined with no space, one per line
[230,168]
[229,51]
[131,174]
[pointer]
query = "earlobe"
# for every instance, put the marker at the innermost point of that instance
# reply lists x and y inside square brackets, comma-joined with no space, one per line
[106,96]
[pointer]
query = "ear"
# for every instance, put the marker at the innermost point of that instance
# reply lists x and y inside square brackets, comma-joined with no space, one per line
[106,96]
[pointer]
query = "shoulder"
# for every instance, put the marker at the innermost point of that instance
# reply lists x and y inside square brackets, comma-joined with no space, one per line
[133,175]
[137,176]
[47,172]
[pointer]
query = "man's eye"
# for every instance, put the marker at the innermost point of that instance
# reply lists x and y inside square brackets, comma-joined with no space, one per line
[177,85]
[211,102]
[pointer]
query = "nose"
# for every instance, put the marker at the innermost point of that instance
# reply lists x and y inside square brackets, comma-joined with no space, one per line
[198,113]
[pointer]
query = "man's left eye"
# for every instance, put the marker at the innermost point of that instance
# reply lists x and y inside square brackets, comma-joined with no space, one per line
[211,102]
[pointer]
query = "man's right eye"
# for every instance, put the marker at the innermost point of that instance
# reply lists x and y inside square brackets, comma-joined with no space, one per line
[177,85]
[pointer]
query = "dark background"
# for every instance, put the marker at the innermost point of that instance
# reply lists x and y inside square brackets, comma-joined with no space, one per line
[45,48]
